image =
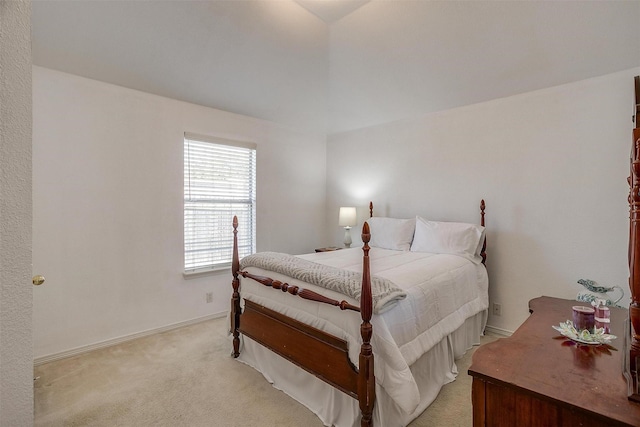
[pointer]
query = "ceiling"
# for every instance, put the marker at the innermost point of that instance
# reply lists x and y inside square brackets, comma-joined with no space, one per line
[331,10]
[368,62]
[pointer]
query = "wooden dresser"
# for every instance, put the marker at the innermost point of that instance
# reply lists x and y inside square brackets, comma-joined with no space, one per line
[536,377]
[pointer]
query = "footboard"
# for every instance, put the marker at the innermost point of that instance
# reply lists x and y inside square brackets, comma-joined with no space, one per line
[319,353]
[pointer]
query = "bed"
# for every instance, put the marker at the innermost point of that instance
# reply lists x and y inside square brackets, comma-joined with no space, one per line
[415,295]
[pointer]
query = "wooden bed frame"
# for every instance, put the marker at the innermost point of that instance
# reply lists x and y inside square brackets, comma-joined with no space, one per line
[631,369]
[319,353]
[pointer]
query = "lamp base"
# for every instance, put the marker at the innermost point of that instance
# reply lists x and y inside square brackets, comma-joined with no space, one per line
[347,237]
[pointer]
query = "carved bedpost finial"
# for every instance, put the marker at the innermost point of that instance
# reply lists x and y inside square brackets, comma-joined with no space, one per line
[235,297]
[235,261]
[366,379]
[370,209]
[366,234]
[366,303]
[483,252]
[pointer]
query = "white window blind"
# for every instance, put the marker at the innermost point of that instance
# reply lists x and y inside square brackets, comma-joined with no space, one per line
[219,182]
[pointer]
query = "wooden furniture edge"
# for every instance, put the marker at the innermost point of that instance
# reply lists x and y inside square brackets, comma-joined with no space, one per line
[478,402]
[631,368]
[483,251]
[479,393]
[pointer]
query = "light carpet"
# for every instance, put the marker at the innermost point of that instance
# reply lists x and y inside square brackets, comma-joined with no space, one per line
[186,377]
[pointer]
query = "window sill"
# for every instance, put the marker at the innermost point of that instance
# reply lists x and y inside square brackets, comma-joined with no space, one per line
[194,274]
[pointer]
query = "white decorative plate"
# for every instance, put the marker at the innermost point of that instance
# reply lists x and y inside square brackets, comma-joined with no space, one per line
[584,336]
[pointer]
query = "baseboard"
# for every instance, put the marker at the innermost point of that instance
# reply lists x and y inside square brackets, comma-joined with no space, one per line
[498,331]
[108,343]
[114,341]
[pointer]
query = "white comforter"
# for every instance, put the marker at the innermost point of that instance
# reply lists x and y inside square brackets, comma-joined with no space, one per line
[442,292]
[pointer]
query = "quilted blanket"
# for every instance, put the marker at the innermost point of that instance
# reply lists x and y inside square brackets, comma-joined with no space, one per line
[385,293]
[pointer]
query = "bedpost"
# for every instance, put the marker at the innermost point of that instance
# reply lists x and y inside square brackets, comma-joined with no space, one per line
[483,252]
[370,209]
[235,298]
[366,379]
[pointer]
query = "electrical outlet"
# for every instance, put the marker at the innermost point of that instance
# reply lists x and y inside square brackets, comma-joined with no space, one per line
[209,297]
[497,309]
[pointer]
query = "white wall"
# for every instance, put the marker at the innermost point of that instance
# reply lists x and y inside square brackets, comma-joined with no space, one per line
[16,352]
[551,165]
[108,207]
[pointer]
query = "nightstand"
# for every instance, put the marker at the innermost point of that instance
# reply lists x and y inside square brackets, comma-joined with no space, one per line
[328,249]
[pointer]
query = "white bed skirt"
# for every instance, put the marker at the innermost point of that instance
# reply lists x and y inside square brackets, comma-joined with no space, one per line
[433,370]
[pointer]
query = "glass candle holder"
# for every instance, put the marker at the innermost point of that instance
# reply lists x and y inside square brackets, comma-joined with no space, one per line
[603,318]
[583,318]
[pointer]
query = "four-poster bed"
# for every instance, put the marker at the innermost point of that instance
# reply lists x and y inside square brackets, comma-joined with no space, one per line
[337,349]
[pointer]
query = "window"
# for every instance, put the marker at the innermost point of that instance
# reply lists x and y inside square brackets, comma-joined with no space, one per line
[219,182]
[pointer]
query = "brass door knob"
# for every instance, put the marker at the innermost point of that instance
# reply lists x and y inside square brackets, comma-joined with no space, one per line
[38,280]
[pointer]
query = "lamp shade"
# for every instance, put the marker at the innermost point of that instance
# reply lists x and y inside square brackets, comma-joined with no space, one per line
[347,217]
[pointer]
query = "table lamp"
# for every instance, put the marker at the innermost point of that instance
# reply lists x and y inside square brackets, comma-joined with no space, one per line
[347,219]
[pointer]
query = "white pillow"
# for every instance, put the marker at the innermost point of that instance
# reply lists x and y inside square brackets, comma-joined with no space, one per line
[391,233]
[456,238]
